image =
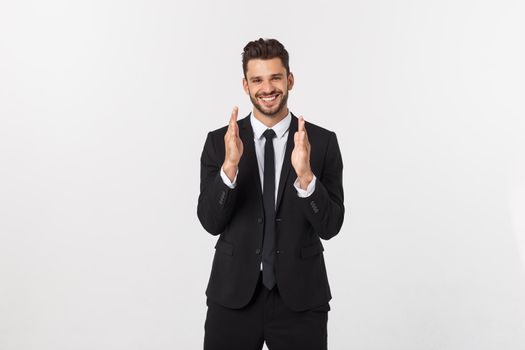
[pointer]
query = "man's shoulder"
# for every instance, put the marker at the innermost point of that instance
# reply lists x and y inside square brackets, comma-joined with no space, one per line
[220,132]
[319,131]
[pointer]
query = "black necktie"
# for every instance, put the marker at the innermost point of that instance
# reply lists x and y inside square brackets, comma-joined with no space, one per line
[268,253]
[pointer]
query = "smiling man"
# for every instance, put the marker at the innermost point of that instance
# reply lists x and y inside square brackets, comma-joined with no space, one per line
[271,188]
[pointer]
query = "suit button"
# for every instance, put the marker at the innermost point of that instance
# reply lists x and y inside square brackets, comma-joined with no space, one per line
[314,207]
[223,196]
[278,251]
[258,251]
[259,220]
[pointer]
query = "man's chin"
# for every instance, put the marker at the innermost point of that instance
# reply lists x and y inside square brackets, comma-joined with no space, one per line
[270,113]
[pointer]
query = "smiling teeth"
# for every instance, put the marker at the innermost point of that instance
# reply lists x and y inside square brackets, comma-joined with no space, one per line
[268,99]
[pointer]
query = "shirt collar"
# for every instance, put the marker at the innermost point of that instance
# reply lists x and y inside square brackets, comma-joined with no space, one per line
[280,128]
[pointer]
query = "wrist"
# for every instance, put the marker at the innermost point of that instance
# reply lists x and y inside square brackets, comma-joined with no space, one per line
[230,169]
[305,179]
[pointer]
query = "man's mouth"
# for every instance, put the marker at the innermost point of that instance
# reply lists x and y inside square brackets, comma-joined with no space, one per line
[268,100]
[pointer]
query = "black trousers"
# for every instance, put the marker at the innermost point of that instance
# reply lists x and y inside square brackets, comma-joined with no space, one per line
[265,319]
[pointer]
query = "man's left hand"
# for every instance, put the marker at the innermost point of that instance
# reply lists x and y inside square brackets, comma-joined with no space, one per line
[301,155]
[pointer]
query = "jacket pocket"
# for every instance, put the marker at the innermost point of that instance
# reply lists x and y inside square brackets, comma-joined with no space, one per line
[224,247]
[311,250]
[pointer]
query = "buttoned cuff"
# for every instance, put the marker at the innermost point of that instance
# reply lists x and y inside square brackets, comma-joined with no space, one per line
[309,190]
[226,179]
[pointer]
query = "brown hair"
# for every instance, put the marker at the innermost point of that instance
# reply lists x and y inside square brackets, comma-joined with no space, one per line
[264,49]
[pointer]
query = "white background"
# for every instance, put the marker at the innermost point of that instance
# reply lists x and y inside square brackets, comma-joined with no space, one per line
[104,109]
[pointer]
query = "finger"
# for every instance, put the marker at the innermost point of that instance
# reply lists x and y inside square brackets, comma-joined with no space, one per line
[233,121]
[299,139]
[302,138]
[303,129]
[233,116]
[300,124]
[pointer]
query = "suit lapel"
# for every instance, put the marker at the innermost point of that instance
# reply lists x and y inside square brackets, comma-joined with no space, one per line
[287,162]
[248,163]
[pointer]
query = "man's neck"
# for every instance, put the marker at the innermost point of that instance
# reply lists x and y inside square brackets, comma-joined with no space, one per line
[270,121]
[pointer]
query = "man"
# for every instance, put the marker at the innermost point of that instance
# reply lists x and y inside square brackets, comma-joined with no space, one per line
[271,187]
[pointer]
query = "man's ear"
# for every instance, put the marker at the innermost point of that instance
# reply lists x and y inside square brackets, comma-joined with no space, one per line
[290,81]
[245,86]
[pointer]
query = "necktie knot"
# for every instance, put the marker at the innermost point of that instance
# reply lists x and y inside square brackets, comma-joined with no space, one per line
[269,134]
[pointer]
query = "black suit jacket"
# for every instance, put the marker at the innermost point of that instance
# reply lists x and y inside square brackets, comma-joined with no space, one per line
[237,215]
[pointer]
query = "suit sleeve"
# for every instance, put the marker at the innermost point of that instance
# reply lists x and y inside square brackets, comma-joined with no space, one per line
[324,208]
[216,200]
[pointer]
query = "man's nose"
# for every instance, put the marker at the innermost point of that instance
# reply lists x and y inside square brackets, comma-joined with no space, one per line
[267,86]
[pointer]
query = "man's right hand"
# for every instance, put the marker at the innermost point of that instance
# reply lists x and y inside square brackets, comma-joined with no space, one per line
[233,147]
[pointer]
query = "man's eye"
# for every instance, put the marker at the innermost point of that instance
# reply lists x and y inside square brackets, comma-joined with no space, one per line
[256,81]
[276,78]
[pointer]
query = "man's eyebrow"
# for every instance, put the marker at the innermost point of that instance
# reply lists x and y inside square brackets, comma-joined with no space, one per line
[272,75]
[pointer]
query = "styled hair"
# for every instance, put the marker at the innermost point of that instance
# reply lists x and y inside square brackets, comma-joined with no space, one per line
[264,49]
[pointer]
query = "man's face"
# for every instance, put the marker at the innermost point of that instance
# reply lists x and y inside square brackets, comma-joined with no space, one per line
[267,85]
